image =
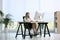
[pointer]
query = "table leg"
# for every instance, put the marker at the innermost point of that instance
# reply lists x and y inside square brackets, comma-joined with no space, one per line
[42,26]
[17,31]
[39,26]
[24,34]
[48,30]
[21,30]
[45,30]
[40,30]
[46,26]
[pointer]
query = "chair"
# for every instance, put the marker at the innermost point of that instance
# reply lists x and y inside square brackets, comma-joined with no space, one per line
[27,26]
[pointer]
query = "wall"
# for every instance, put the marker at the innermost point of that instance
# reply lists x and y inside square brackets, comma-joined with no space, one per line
[32,6]
[49,7]
[0,9]
[18,8]
[0,4]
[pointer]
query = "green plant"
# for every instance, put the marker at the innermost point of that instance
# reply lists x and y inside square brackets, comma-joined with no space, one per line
[1,16]
[7,19]
[1,13]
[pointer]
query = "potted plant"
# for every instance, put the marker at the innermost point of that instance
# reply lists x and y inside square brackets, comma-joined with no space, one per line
[1,19]
[6,21]
[1,13]
[1,16]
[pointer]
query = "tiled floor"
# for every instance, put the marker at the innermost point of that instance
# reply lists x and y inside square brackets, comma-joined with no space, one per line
[11,36]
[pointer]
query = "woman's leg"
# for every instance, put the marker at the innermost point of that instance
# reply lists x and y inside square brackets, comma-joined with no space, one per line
[34,28]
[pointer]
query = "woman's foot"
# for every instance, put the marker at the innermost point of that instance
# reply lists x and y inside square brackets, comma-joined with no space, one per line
[36,33]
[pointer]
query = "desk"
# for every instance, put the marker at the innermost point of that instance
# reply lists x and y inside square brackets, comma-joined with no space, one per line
[46,27]
[39,26]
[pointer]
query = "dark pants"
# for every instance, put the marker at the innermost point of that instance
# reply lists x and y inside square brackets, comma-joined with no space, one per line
[28,25]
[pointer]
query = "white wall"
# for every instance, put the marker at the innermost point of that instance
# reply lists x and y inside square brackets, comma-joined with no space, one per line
[0,9]
[47,6]
[57,5]
[19,7]
[0,4]
[32,6]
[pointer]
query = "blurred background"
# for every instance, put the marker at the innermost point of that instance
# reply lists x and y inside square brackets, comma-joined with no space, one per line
[18,8]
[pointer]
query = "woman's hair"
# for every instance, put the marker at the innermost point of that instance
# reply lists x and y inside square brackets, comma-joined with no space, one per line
[27,16]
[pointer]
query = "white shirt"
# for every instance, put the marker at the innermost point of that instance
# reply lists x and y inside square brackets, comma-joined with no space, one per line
[27,20]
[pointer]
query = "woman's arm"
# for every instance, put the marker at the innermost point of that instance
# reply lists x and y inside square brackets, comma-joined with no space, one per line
[27,20]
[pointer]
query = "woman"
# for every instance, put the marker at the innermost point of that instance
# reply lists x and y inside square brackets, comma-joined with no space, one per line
[33,25]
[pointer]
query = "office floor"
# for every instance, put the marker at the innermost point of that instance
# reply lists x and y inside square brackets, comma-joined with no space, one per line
[11,36]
